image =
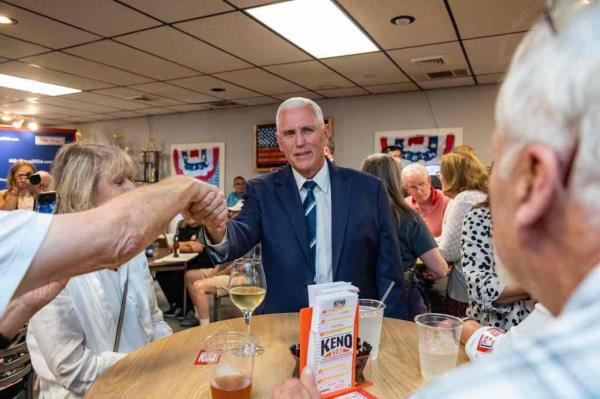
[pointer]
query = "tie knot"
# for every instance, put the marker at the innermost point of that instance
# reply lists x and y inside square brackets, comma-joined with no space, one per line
[309,185]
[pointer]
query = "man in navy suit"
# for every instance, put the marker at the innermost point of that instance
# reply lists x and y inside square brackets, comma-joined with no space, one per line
[316,222]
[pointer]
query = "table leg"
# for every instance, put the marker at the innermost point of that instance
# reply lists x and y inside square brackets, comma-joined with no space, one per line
[184,291]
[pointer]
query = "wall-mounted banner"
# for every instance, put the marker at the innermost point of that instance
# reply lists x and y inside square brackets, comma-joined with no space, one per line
[203,161]
[39,148]
[422,145]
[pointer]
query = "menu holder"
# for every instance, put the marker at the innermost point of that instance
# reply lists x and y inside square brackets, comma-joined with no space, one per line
[305,328]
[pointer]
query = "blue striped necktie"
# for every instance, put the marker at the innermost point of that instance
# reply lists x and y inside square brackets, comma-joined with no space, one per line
[310,214]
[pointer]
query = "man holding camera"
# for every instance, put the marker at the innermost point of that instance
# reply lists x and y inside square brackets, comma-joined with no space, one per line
[22,185]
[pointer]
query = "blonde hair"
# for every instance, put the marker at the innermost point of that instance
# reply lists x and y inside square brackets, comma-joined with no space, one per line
[461,172]
[77,168]
[10,178]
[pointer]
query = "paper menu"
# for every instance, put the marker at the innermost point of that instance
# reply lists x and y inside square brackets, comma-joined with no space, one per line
[332,339]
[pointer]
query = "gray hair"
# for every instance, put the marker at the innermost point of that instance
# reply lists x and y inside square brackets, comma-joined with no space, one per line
[552,95]
[300,102]
[414,169]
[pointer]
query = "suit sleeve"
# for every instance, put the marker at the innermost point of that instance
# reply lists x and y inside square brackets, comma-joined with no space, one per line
[389,261]
[243,232]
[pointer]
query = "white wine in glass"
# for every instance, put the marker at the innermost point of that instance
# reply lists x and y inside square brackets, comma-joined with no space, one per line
[247,288]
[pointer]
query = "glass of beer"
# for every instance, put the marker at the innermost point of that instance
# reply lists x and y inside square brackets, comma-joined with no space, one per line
[439,338]
[231,357]
[247,288]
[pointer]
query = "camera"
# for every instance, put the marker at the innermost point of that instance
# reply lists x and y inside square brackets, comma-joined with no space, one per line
[34,178]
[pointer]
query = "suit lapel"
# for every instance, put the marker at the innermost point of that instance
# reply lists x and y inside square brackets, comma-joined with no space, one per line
[288,194]
[340,204]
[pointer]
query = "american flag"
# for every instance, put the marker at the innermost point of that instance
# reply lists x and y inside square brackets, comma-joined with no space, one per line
[268,155]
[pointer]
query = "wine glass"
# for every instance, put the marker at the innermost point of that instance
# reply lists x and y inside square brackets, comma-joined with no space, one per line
[247,288]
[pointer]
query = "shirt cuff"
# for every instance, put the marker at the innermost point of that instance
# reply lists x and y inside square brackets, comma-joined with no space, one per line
[220,249]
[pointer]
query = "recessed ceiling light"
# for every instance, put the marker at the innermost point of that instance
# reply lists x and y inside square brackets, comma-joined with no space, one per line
[6,118]
[403,20]
[218,89]
[330,34]
[4,20]
[32,100]
[34,86]
[33,125]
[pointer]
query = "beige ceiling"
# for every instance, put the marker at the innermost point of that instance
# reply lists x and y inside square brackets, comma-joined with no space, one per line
[134,58]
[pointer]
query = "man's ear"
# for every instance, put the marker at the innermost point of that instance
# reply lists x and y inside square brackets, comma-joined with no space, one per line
[537,181]
[327,131]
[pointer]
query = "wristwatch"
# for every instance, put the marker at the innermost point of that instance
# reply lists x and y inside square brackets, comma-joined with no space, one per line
[4,341]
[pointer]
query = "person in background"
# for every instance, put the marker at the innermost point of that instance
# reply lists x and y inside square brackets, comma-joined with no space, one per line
[464,149]
[492,302]
[208,282]
[46,182]
[464,179]
[239,188]
[329,149]
[427,201]
[414,237]
[19,193]
[393,150]
[76,337]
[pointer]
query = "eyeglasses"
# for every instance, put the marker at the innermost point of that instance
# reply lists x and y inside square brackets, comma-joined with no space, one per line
[420,187]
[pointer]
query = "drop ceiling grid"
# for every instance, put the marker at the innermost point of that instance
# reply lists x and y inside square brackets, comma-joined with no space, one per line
[154,21]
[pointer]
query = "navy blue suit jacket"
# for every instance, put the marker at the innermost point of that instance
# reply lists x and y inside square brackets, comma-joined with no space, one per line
[365,249]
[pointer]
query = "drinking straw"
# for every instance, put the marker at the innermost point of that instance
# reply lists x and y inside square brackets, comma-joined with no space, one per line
[384,297]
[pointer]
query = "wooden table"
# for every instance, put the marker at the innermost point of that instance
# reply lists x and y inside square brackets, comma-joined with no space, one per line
[168,263]
[164,368]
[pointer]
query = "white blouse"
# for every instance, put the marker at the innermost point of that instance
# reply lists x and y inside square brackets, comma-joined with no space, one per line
[71,339]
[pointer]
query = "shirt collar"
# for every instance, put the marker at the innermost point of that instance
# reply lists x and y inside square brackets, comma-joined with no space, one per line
[321,178]
[586,293]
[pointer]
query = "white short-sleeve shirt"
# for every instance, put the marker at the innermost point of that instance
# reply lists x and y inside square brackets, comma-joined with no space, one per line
[21,235]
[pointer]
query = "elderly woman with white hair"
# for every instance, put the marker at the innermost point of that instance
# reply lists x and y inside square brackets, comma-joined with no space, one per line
[98,317]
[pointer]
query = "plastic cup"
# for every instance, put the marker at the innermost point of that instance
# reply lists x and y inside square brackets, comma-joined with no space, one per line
[439,338]
[370,313]
[231,372]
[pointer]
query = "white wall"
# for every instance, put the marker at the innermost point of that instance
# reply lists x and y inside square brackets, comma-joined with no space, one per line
[355,121]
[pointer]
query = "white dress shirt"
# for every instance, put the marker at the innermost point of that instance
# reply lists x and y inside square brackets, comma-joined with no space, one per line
[322,192]
[21,235]
[71,339]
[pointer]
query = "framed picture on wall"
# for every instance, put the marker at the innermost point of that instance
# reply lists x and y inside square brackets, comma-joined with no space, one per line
[421,145]
[203,161]
[267,156]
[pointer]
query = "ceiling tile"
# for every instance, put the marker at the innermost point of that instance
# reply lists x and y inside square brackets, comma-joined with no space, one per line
[367,69]
[177,93]
[258,101]
[189,107]
[493,17]
[432,24]
[106,18]
[395,87]
[252,3]
[42,30]
[104,100]
[156,111]
[79,66]
[443,83]
[345,92]
[43,109]
[64,102]
[188,51]
[259,80]
[28,71]
[171,11]
[52,122]
[129,94]
[130,59]
[452,53]
[491,78]
[492,54]
[10,95]
[125,114]
[205,83]
[305,94]
[14,48]
[311,74]
[242,36]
